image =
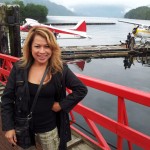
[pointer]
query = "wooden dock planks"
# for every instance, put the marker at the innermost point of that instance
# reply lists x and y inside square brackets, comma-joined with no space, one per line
[100,51]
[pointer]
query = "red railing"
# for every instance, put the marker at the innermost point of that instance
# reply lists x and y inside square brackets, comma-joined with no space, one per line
[93,118]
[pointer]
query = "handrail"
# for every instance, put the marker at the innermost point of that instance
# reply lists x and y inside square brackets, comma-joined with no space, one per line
[117,90]
[8,57]
[120,127]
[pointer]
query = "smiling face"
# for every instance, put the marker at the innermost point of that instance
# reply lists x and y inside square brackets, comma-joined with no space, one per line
[41,51]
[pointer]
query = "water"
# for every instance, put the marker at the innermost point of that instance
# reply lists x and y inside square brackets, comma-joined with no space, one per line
[113,70]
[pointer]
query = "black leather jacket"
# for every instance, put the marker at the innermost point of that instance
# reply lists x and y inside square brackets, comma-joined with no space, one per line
[16,99]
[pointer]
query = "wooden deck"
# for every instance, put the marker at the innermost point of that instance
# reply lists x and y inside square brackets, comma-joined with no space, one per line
[77,142]
[100,51]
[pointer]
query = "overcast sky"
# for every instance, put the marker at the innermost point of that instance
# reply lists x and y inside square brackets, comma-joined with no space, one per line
[129,4]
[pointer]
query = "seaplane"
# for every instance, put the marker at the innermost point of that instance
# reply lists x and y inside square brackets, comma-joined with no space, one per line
[78,31]
[140,32]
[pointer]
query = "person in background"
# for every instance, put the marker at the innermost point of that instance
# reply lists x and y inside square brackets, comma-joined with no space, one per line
[128,41]
[50,120]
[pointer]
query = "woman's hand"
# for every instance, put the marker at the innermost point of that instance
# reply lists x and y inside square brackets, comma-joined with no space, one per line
[11,136]
[56,107]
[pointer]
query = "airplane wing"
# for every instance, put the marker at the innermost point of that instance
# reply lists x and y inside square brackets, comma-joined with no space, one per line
[129,22]
[66,31]
[138,24]
[29,20]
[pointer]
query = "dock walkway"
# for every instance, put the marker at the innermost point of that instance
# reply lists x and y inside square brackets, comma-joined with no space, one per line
[77,142]
[100,51]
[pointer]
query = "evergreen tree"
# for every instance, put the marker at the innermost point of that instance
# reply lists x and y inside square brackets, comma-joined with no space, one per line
[37,12]
[142,13]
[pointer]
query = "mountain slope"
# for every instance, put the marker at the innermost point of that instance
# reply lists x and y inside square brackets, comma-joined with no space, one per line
[53,8]
[94,10]
[100,10]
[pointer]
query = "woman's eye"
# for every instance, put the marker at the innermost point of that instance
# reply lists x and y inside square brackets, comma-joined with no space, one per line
[36,46]
[47,46]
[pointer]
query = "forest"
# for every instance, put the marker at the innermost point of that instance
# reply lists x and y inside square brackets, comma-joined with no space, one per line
[30,10]
[142,13]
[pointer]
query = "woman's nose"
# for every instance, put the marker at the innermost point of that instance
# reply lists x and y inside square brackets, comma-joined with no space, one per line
[42,50]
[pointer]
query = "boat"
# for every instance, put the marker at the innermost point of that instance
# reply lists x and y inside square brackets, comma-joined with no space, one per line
[93,119]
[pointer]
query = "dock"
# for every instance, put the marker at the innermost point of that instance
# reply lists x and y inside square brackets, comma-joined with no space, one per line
[101,51]
[77,142]
[87,23]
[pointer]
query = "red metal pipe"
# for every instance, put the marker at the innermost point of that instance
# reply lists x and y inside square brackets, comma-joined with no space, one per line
[128,93]
[97,134]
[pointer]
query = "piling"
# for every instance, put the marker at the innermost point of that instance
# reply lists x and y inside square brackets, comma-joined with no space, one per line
[10,41]
[3,30]
[13,20]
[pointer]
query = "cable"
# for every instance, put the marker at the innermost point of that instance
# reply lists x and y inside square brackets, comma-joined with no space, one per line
[90,133]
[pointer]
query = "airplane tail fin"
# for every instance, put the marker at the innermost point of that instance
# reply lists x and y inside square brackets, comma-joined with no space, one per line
[81,26]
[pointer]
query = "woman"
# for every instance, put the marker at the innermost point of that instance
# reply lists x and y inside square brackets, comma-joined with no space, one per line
[50,121]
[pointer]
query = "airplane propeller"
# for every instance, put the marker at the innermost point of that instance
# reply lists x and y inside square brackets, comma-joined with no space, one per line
[135,30]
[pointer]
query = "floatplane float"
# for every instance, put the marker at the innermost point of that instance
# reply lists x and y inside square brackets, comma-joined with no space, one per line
[78,31]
